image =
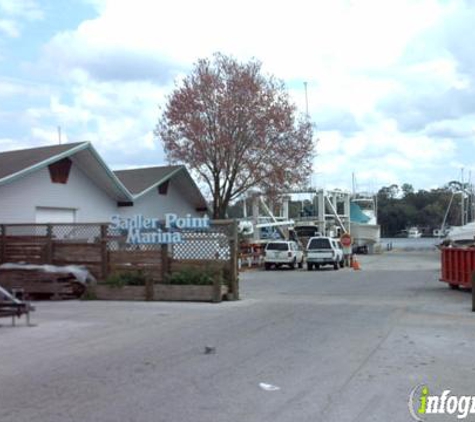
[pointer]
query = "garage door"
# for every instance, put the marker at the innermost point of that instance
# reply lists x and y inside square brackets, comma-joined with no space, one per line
[55,215]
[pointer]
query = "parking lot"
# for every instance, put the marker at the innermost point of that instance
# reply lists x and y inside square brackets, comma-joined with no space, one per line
[337,346]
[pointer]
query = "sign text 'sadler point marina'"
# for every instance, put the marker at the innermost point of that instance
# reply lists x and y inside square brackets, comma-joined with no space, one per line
[144,230]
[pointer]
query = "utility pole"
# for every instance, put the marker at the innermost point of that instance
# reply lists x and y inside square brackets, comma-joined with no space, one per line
[59,134]
[470,198]
[462,200]
[306,99]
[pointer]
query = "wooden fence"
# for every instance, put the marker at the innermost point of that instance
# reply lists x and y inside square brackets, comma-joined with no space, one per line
[103,252]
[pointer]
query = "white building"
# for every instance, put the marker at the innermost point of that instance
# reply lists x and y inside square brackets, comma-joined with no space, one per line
[71,183]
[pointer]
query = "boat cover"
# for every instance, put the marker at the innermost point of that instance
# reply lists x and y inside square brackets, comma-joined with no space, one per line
[357,215]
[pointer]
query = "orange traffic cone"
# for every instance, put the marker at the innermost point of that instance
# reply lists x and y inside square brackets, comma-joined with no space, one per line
[355,264]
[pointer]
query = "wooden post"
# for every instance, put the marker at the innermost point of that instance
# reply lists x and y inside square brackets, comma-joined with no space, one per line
[473,291]
[104,254]
[3,245]
[217,276]
[49,245]
[233,244]
[148,286]
[164,262]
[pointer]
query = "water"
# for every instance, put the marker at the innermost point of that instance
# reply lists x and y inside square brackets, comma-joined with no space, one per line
[421,243]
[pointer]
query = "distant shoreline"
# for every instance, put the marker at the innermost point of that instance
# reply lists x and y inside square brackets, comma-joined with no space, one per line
[421,243]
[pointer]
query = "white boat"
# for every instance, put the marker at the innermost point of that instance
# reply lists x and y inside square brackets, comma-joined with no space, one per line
[364,228]
[414,233]
[462,234]
[439,233]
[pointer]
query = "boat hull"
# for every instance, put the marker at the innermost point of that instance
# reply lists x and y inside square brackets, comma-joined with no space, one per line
[365,234]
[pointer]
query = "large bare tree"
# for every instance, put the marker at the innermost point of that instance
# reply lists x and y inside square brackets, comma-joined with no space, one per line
[237,129]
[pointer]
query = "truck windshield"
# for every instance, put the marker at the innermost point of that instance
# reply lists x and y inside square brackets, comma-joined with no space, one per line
[319,244]
[277,247]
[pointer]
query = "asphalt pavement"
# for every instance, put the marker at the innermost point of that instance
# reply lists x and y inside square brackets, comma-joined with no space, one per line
[300,346]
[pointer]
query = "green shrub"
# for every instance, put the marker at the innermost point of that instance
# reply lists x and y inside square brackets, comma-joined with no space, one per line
[192,276]
[135,278]
[89,295]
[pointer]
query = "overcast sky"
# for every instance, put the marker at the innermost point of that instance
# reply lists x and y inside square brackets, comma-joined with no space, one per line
[391,84]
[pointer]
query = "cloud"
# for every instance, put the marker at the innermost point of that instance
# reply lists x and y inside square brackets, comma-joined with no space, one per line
[415,111]
[9,28]
[9,144]
[341,120]
[118,118]
[436,75]
[452,129]
[15,12]
[10,87]
[108,64]
[24,9]
[390,84]
[381,155]
[291,41]
[48,136]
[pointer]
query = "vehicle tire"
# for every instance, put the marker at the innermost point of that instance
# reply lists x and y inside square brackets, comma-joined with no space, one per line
[317,266]
[335,266]
[309,266]
[267,266]
[454,286]
[342,263]
[294,264]
[301,263]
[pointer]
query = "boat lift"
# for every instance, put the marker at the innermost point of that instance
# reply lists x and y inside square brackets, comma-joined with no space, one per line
[331,214]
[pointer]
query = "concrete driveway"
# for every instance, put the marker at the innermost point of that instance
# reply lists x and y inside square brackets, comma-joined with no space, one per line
[339,345]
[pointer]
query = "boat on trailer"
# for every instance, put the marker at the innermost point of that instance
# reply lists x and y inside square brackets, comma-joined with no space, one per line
[364,229]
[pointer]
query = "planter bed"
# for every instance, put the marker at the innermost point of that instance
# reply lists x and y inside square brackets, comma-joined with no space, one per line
[161,292]
[169,292]
[102,292]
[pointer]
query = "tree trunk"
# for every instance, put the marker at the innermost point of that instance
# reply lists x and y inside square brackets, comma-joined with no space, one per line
[219,211]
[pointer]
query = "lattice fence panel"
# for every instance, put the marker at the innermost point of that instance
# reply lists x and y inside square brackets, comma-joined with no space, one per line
[32,230]
[117,241]
[212,243]
[24,243]
[208,245]
[76,233]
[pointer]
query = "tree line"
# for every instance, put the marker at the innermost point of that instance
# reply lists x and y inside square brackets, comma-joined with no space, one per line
[401,207]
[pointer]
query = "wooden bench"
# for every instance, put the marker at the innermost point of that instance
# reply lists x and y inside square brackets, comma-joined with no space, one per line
[12,307]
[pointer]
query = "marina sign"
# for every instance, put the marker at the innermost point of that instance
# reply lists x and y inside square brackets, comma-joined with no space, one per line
[152,231]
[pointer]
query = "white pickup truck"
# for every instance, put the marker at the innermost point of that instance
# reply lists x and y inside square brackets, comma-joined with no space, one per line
[324,251]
